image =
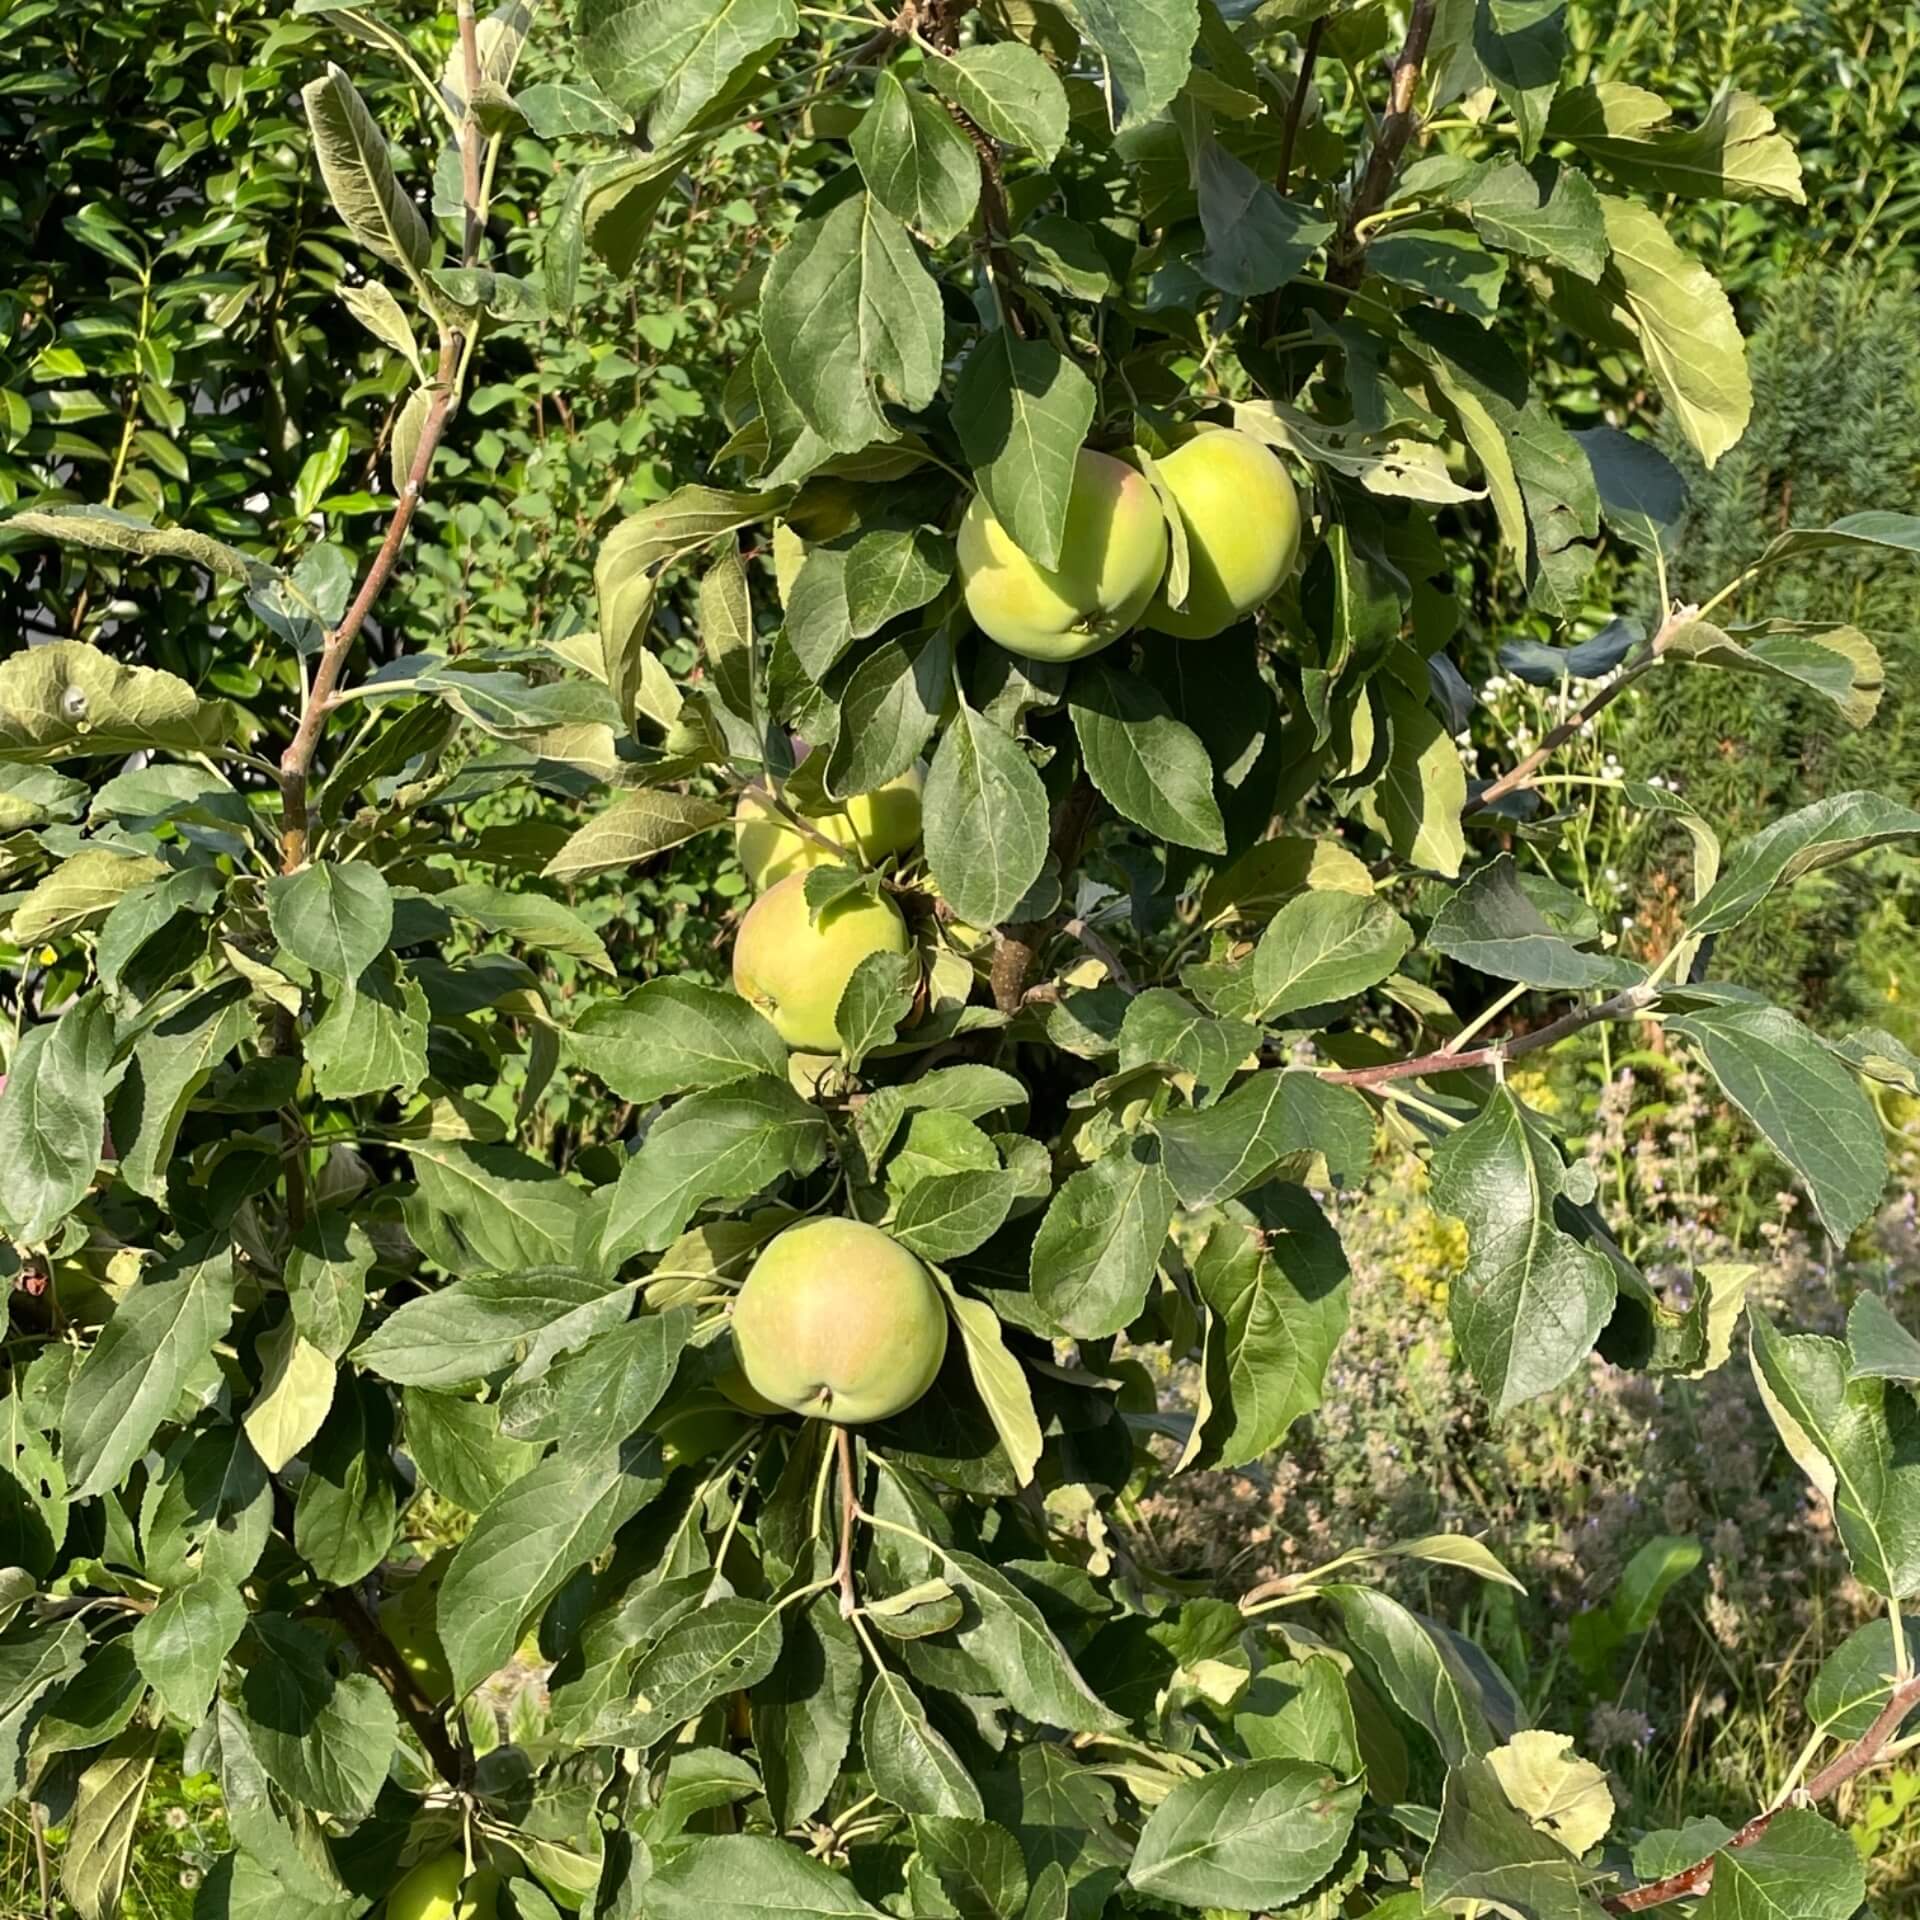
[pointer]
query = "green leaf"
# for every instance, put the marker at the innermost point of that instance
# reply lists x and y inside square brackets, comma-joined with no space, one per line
[985,817]
[1520,46]
[1889,532]
[636,827]
[1642,493]
[296,1389]
[741,1876]
[337,917]
[528,919]
[1299,1710]
[1423,790]
[345,1511]
[1009,1636]
[973,1092]
[1154,770]
[667,62]
[1809,1107]
[998,1376]
[1686,328]
[1878,1346]
[672,1036]
[599,1393]
[160,1333]
[1216,1152]
[721,1144]
[879,994]
[1491,925]
[474,1327]
[358,171]
[1408,1661]
[850,316]
[459,1449]
[208,1512]
[803,1711]
[98,1701]
[888,712]
[728,1646]
[1559,223]
[1857,1440]
[948,1215]
[110,531]
[1799,843]
[1325,947]
[1276,1294]
[1147,50]
[1022,409]
[1532,1300]
[1733,154]
[910,1761]
[68,700]
[977,1863]
[382,315]
[1803,1865]
[1099,1245]
[916,161]
[1487,1850]
[1840,664]
[106,1817]
[53,1113]
[1010,90]
[325,1741]
[1856,1681]
[559,1516]
[1257,240]
[372,1038]
[1444,263]
[1163,1028]
[325,1277]
[1257,1835]
[78,893]
[183,1643]
[492,1206]
[557,108]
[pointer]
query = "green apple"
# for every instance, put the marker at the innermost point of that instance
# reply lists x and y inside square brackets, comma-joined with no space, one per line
[839,1322]
[697,1426]
[1243,531]
[1111,560]
[408,1620]
[432,1891]
[795,971]
[887,820]
[732,1382]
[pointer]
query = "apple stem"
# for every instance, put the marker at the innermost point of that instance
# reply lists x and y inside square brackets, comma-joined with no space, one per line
[849,1507]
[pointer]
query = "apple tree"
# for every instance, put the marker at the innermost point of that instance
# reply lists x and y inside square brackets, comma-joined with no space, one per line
[1081,596]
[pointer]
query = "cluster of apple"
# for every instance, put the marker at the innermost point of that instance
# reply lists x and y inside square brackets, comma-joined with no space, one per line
[836,1320]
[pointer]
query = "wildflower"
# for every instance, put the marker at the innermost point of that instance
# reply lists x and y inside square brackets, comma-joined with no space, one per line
[176,1818]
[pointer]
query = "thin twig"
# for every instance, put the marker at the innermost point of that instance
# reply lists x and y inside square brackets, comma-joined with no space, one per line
[470,136]
[1864,1753]
[386,1665]
[1309,54]
[1625,1005]
[41,1862]
[1078,929]
[1521,775]
[296,764]
[849,1507]
[1390,142]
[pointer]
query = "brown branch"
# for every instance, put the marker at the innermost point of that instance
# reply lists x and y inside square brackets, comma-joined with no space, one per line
[296,764]
[849,1507]
[1625,1005]
[1098,947]
[1521,775]
[386,1666]
[992,221]
[1390,142]
[1017,947]
[1309,54]
[1864,1753]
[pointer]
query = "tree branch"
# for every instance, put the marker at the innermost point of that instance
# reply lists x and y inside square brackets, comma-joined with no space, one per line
[1309,54]
[385,1664]
[1390,142]
[470,138]
[1856,1759]
[1017,947]
[1521,775]
[1625,1005]
[849,1507]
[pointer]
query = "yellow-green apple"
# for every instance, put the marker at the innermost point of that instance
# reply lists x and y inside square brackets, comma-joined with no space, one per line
[408,1620]
[1243,530]
[839,1322]
[1111,559]
[887,820]
[795,970]
[696,1426]
[432,1891]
